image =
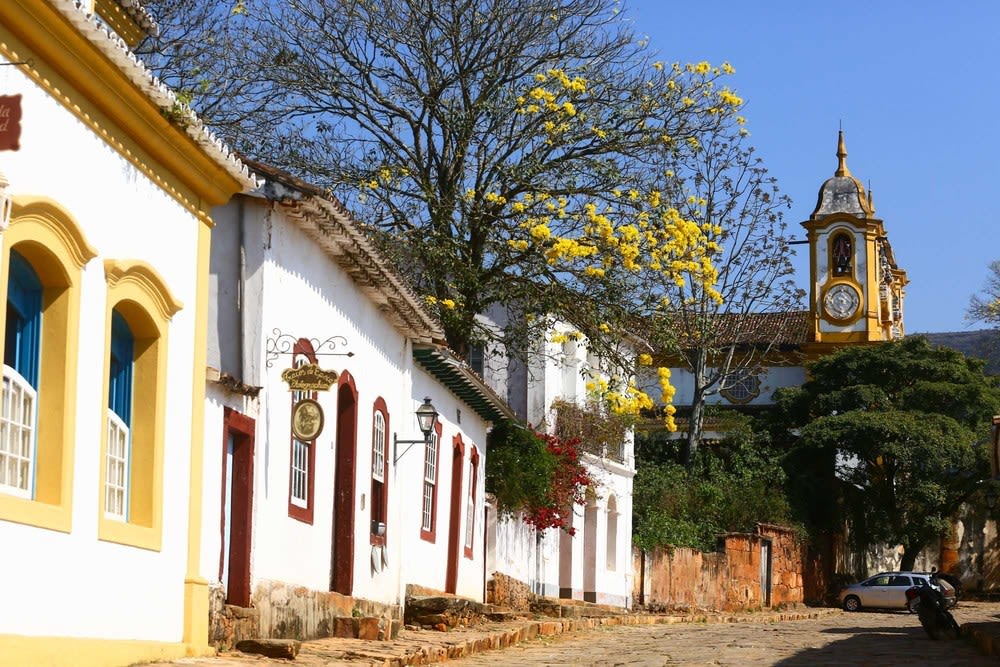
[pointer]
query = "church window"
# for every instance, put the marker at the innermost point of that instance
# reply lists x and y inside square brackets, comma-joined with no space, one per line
[740,386]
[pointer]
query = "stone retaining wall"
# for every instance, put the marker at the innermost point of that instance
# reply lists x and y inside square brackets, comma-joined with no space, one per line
[728,579]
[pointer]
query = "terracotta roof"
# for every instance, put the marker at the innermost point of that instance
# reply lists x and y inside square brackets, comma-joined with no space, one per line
[337,232]
[784,329]
[118,52]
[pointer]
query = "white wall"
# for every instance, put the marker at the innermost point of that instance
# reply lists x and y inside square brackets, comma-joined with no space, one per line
[772,378]
[304,294]
[117,591]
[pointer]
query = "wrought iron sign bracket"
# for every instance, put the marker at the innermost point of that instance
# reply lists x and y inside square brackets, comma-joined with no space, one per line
[282,343]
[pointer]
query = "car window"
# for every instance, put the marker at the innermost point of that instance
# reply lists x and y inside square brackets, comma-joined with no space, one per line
[899,580]
[881,580]
[945,586]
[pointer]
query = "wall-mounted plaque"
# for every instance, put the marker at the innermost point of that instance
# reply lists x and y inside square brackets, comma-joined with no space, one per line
[307,420]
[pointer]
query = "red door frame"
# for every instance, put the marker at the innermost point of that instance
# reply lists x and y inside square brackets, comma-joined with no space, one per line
[455,515]
[342,565]
[241,517]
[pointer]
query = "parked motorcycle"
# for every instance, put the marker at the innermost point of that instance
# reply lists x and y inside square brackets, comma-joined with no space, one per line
[932,609]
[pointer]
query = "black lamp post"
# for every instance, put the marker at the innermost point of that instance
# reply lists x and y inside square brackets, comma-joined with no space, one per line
[427,414]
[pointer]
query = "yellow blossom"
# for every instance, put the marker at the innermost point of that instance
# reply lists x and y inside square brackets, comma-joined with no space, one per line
[448,303]
[645,359]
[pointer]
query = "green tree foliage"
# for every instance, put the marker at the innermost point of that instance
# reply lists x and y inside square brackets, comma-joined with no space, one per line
[507,152]
[899,430]
[538,477]
[729,487]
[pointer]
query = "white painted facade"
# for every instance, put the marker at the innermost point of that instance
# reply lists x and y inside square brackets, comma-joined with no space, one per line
[771,379]
[591,565]
[289,286]
[118,591]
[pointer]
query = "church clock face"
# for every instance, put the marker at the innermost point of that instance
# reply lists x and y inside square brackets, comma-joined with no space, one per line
[841,302]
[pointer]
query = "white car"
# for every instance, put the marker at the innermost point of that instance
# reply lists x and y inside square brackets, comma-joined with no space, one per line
[887,590]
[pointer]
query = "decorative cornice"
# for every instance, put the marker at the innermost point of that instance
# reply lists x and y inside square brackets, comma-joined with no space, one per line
[61,39]
[50,214]
[146,278]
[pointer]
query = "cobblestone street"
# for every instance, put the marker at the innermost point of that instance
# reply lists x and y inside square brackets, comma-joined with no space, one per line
[872,639]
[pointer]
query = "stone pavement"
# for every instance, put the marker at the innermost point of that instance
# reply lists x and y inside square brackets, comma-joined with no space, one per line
[767,638]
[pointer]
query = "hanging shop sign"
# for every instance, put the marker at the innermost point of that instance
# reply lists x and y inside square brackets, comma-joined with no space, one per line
[309,377]
[307,420]
[10,122]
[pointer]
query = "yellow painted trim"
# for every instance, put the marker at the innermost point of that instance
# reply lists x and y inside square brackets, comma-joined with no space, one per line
[122,23]
[22,651]
[195,586]
[49,238]
[74,72]
[58,221]
[146,278]
[141,296]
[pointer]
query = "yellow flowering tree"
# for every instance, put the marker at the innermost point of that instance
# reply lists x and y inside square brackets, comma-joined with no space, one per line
[502,151]
[724,331]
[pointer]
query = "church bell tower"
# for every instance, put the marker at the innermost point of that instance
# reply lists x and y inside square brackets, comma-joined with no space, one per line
[855,288]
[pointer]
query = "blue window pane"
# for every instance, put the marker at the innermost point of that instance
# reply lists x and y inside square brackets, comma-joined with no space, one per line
[24,318]
[122,355]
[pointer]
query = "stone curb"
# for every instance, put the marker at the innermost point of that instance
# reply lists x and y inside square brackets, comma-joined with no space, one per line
[423,647]
[986,636]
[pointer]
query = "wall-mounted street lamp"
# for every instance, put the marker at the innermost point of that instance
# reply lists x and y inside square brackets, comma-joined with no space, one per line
[426,416]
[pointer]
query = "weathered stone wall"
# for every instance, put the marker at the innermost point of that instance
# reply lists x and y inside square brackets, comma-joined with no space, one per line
[788,559]
[295,612]
[728,579]
[508,592]
[229,625]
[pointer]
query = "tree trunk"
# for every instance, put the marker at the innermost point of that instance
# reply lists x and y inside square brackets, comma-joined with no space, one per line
[909,558]
[697,417]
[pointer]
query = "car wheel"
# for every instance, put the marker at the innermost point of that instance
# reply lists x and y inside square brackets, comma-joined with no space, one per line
[852,603]
[913,605]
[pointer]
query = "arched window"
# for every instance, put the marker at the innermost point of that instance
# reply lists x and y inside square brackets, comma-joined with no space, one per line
[380,471]
[140,308]
[303,452]
[428,515]
[612,536]
[116,482]
[20,378]
[470,511]
[842,254]
[43,256]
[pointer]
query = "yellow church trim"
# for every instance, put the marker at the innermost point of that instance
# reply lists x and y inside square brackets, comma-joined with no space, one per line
[68,66]
[51,241]
[138,293]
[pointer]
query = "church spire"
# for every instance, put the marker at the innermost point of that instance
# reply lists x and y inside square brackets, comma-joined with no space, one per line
[842,169]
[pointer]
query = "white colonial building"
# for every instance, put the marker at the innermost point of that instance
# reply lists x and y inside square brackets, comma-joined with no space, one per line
[104,272]
[594,563]
[312,510]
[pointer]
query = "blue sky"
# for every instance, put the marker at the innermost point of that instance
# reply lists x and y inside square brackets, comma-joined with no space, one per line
[914,85]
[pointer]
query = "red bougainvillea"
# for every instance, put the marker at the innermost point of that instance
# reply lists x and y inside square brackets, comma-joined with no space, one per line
[570,481]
